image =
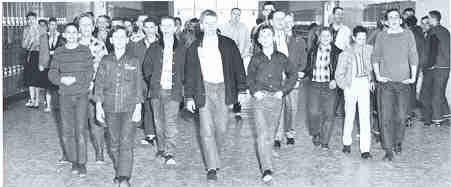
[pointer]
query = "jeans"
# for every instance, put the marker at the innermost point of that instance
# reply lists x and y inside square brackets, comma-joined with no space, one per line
[394,108]
[56,113]
[358,93]
[321,100]
[74,115]
[433,97]
[213,120]
[166,114]
[121,133]
[96,131]
[148,118]
[267,112]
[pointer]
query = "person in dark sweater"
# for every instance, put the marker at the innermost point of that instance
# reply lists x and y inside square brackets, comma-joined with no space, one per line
[214,76]
[139,48]
[321,65]
[72,69]
[394,60]
[163,70]
[436,72]
[118,95]
[267,85]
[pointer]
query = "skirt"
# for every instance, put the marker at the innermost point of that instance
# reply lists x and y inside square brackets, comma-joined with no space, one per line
[32,75]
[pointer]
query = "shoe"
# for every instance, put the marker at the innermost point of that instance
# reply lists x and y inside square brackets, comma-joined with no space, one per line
[315,140]
[124,181]
[346,149]
[169,160]
[388,156]
[29,103]
[325,147]
[277,144]
[427,124]
[47,109]
[211,175]
[290,141]
[75,169]
[267,176]
[62,161]
[238,117]
[398,148]
[82,170]
[366,155]
[116,180]
[149,139]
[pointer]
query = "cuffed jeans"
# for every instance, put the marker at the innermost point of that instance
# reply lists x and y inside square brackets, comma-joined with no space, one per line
[358,93]
[433,94]
[165,112]
[322,102]
[148,118]
[267,112]
[97,132]
[121,133]
[213,121]
[394,104]
[74,115]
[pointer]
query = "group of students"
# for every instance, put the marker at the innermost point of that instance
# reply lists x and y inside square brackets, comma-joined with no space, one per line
[106,83]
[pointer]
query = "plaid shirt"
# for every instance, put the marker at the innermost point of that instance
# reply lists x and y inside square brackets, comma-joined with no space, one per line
[321,72]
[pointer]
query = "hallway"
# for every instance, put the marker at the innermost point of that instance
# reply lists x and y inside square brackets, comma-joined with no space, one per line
[32,150]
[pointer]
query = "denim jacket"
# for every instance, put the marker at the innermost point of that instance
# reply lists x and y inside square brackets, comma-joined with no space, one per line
[118,83]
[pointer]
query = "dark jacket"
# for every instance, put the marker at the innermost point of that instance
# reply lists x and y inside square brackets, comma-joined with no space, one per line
[297,52]
[437,47]
[420,43]
[234,74]
[76,62]
[118,83]
[265,74]
[311,61]
[153,66]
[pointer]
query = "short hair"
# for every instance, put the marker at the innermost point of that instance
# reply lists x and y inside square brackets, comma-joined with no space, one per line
[391,10]
[269,3]
[324,28]
[83,15]
[271,14]
[411,21]
[258,21]
[167,17]
[435,14]
[31,14]
[207,12]
[43,21]
[257,33]
[358,29]
[424,17]
[408,10]
[90,13]
[336,8]
[52,19]
[70,25]
[117,28]
[236,8]
[178,19]
[104,16]
[151,19]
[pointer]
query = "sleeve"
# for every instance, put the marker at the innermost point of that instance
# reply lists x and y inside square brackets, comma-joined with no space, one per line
[413,53]
[238,69]
[100,82]
[54,71]
[139,83]
[25,38]
[291,76]
[340,72]
[309,67]
[301,54]
[44,53]
[376,57]
[252,75]
[147,65]
[432,50]
[189,72]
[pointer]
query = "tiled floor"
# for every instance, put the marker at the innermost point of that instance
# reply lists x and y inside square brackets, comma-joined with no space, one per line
[31,152]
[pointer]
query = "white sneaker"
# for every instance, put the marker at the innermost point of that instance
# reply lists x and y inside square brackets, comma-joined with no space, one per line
[148,140]
[267,176]
[171,161]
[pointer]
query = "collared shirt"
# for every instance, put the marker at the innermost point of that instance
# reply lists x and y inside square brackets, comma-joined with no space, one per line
[239,33]
[211,61]
[321,72]
[281,41]
[119,83]
[266,74]
[53,41]
[166,72]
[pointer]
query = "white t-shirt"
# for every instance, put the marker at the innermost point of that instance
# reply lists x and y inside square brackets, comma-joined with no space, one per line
[211,61]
